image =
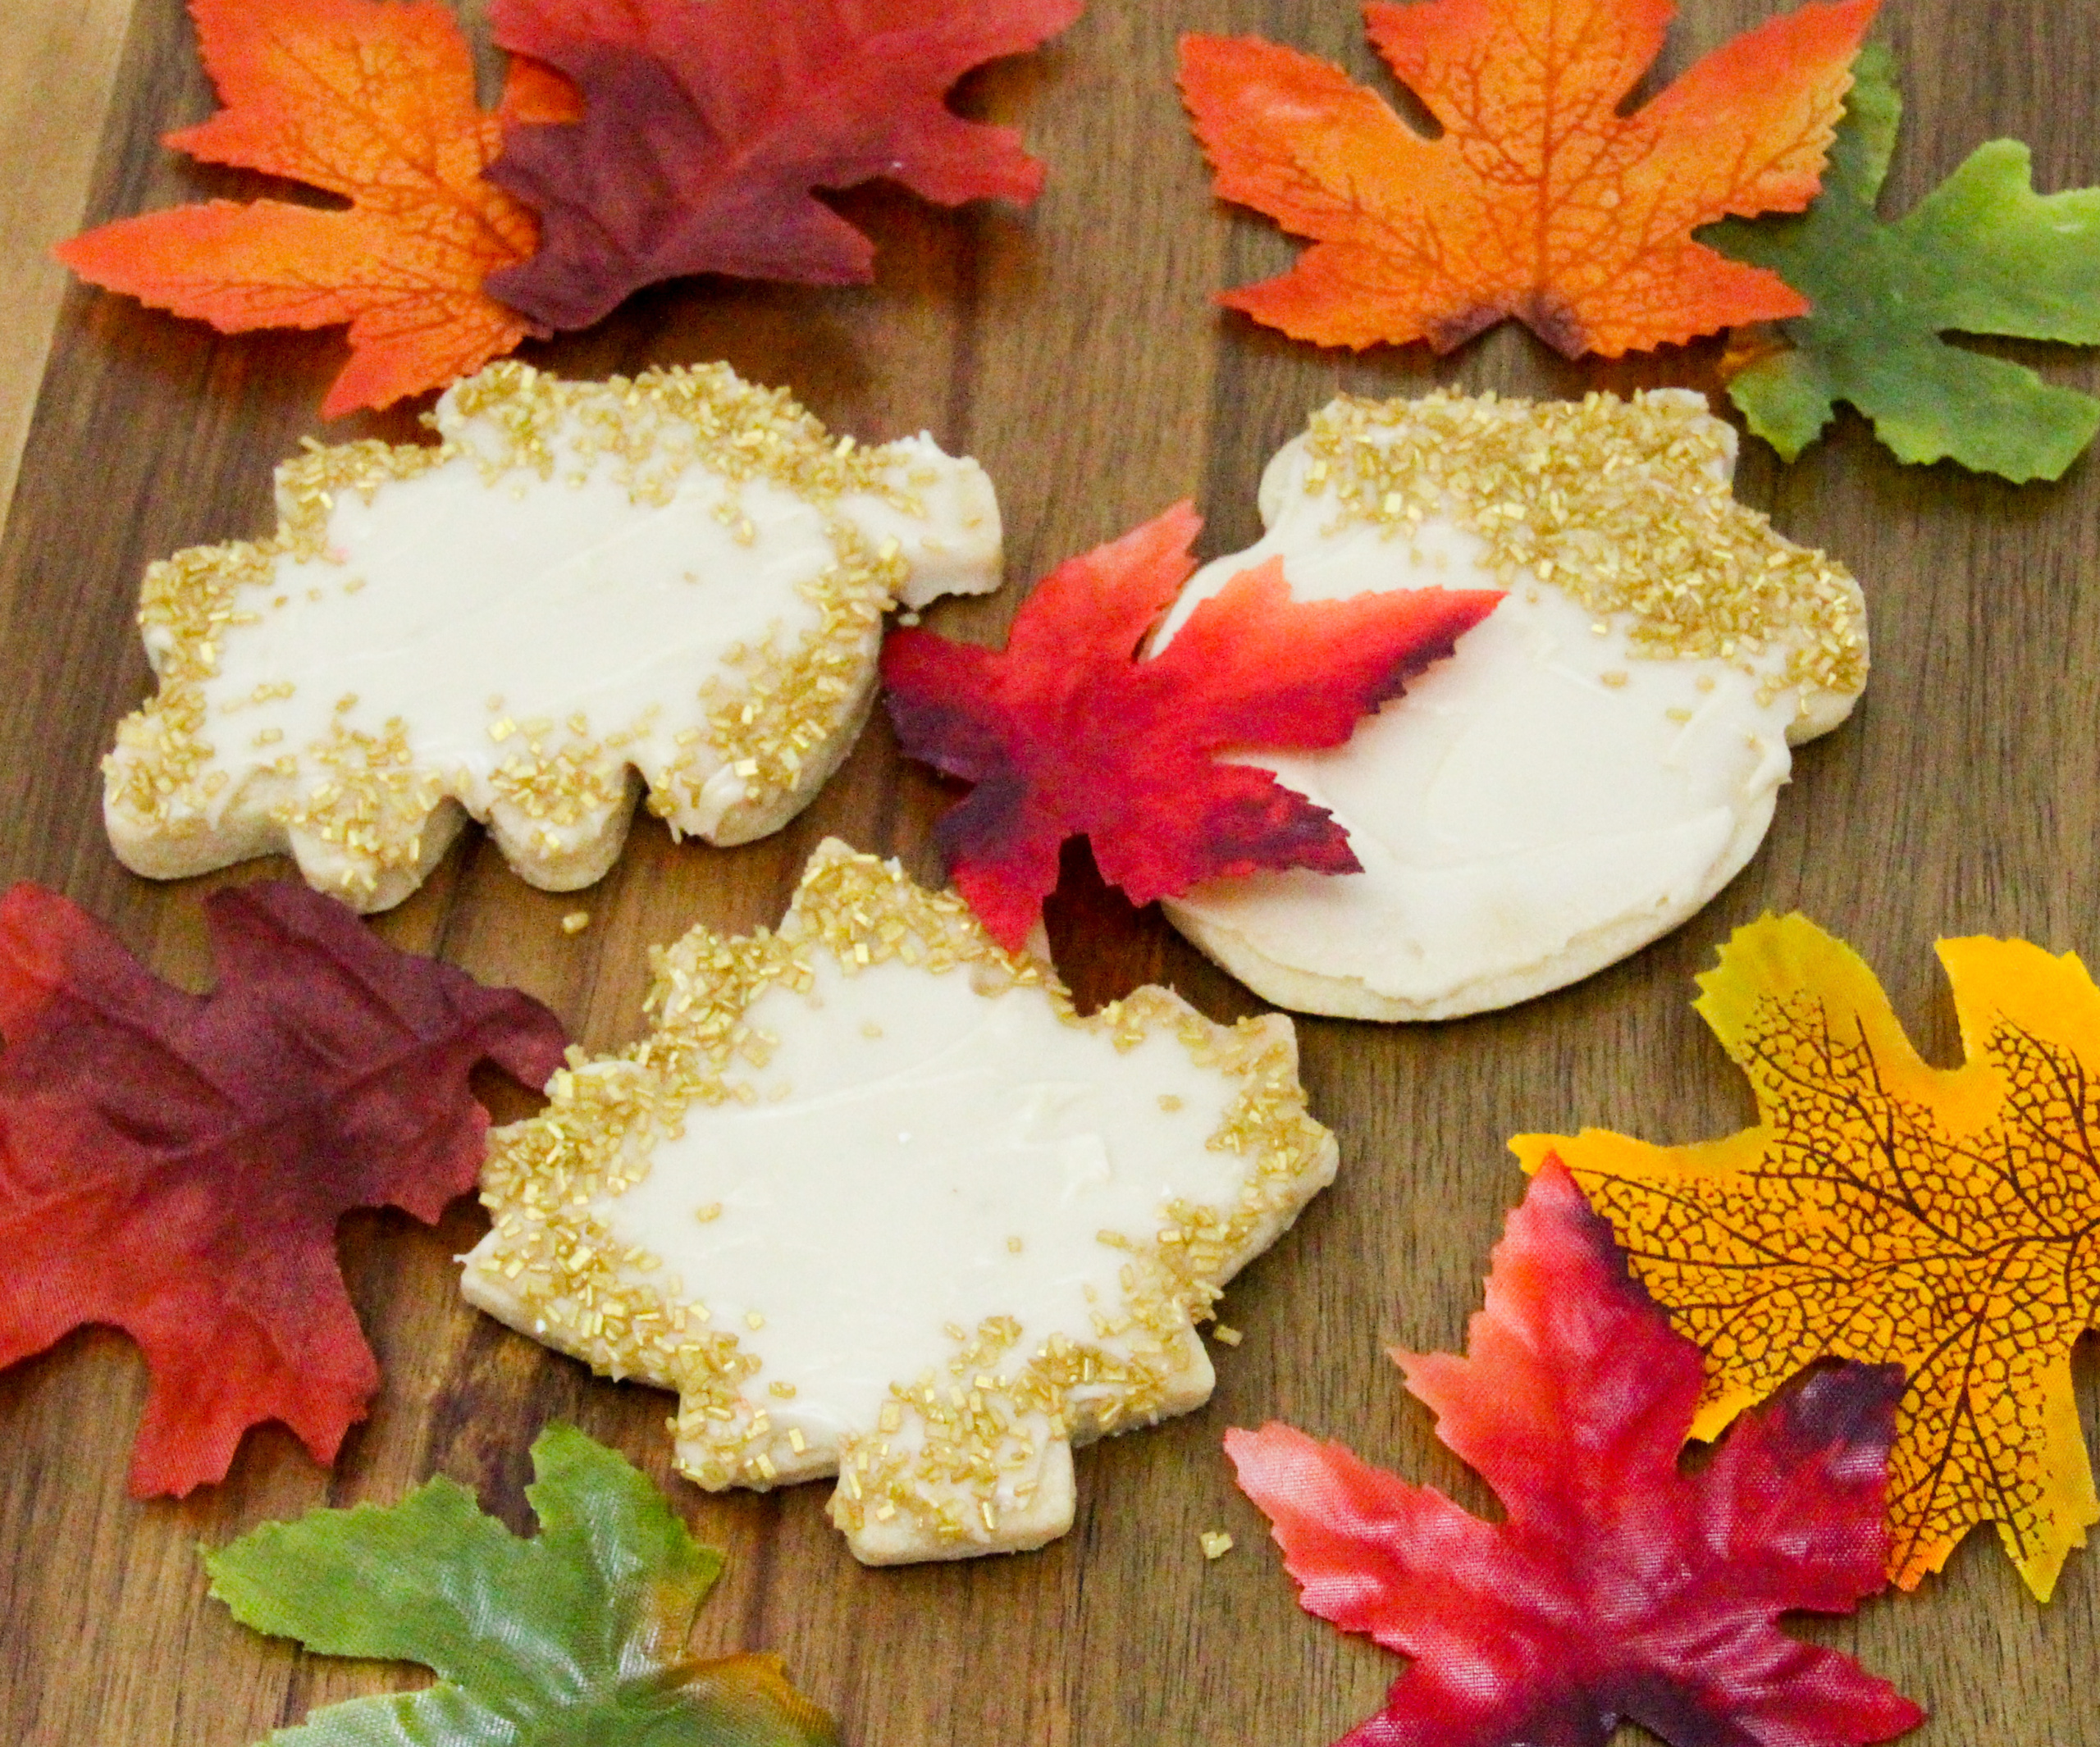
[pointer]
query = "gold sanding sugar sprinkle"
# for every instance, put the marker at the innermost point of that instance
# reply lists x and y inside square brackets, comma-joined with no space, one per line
[944,1445]
[651,429]
[1620,503]
[576,921]
[1216,1543]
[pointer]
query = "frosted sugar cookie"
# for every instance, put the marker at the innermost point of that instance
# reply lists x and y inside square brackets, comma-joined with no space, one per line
[875,1203]
[678,580]
[1599,757]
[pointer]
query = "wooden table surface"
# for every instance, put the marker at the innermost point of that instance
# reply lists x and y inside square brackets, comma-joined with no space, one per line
[1075,350]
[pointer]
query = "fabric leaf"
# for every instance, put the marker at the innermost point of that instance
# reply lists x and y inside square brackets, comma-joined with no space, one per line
[174,1164]
[1540,200]
[373,101]
[705,130]
[1068,734]
[1617,1587]
[1983,254]
[1885,1210]
[578,1635]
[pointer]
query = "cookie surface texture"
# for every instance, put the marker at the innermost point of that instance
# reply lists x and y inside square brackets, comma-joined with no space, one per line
[876,1203]
[677,581]
[1596,760]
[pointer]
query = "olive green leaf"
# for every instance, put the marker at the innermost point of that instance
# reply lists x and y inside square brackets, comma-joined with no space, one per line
[576,1639]
[1984,254]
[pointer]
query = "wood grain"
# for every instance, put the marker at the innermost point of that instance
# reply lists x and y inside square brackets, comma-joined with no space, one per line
[1076,351]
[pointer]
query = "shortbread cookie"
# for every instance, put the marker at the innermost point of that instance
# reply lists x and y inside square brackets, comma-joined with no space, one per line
[876,1203]
[1599,756]
[677,581]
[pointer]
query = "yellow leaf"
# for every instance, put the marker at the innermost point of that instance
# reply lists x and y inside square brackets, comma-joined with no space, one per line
[1885,1209]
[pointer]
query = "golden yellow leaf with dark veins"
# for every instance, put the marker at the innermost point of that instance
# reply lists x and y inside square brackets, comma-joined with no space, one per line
[1885,1209]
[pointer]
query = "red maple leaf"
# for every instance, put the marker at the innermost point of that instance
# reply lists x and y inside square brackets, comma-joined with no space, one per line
[706,126]
[174,1164]
[1618,1587]
[1068,734]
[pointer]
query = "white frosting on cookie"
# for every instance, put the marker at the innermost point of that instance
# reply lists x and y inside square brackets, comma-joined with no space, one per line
[1599,757]
[677,582]
[876,1203]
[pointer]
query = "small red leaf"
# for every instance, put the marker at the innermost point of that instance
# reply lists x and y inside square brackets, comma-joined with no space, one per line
[174,1164]
[706,127]
[1067,733]
[1618,1588]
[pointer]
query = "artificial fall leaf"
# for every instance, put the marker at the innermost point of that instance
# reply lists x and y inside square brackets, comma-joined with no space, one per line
[1885,1210]
[1068,734]
[576,1636]
[373,101]
[1983,254]
[1540,200]
[174,1164]
[1616,1587]
[706,127]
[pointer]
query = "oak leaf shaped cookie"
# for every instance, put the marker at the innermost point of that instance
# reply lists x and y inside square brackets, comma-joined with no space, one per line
[876,1203]
[1984,254]
[1066,732]
[375,103]
[174,1164]
[677,580]
[1597,758]
[1887,1211]
[578,1635]
[706,129]
[1616,1587]
[1540,199]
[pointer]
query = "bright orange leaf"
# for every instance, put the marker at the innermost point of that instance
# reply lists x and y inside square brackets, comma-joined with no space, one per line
[1540,200]
[375,101]
[1889,1210]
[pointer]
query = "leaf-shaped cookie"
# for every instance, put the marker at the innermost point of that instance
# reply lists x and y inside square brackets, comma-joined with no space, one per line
[576,1636]
[1616,1587]
[1540,199]
[374,102]
[707,128]
[679,580]
[1984,254]
[1885,1210]
[175,1165]
[876,1201]
[1067,732]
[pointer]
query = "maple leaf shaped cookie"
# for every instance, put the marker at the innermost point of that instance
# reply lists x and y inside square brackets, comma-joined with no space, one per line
[174,1164]
[1540,199]
[1596,760]
[1616,1586]
[707,128]
[1885,1210]
[677,580]
[374,102]
[875,1201]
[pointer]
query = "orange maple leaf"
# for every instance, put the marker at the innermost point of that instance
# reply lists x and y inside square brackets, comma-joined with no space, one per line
[374,102]
[1884,1210]
[1540,200]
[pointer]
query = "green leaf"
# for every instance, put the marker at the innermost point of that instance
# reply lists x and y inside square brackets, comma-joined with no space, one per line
[574,1640]
[1984,254]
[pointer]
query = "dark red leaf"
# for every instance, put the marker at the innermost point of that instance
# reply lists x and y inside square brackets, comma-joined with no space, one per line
[708,123]
[1067,733]
[1618,1588]
[174,1164]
